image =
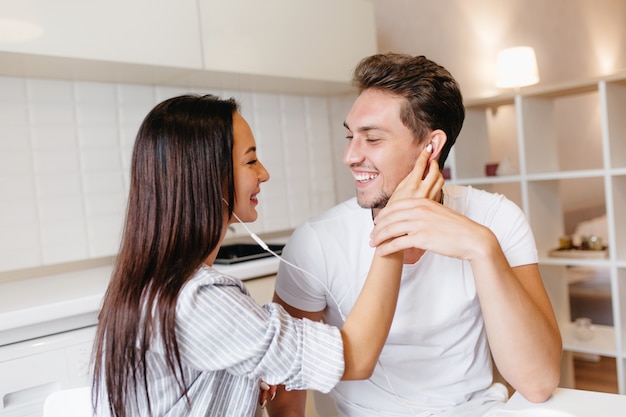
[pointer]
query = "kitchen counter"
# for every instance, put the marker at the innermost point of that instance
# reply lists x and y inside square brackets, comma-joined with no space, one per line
[36,306]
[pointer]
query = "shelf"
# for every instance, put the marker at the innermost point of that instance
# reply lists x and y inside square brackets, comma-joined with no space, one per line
[548,260]
[487,180]
[602,343]
[566,175]
[578,254]
[567,144]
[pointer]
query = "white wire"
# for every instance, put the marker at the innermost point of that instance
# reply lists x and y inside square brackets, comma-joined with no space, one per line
[264,245]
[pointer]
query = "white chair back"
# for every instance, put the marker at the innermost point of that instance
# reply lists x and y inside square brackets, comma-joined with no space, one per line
[74,402]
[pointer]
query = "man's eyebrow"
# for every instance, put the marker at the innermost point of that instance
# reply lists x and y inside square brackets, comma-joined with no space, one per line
[364,128]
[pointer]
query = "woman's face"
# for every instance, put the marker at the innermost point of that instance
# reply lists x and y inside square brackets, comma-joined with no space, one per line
[248,171]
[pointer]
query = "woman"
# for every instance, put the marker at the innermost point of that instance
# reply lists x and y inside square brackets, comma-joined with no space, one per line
[175,337]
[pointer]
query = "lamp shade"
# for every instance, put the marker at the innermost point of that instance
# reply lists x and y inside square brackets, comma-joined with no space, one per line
[517,67]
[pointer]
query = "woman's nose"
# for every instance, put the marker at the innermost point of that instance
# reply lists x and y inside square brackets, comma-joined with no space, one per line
[264,175]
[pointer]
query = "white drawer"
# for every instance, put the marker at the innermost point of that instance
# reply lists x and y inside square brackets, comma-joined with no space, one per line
[32,370]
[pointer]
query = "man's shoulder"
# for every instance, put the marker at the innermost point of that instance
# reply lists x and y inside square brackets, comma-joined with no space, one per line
[460,197]
[347,208]
[482,206]
[343,218]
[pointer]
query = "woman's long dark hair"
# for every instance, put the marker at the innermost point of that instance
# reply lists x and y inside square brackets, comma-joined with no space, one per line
[181,170]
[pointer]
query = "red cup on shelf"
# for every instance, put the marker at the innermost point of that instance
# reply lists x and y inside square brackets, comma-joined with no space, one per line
[491,169]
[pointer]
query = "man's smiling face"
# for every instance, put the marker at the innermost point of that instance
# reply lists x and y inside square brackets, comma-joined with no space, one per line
[381,150]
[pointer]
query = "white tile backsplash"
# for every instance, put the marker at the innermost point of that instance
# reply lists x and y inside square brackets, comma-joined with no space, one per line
[51,114]
[53,138]
[96,115]
[95,92]
[105,205]
[98,183]
[101,159]
[64,233]
[98,137]
[15,163]
[17,214]
[14,114]
[49,91]
[20,246]
[13,91]
[60,209]
[17,188]
[64,185]
[65,151]
[14,138]
[57,161]
[135,94]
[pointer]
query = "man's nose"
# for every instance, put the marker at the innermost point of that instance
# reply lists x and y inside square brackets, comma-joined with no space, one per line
[353,153]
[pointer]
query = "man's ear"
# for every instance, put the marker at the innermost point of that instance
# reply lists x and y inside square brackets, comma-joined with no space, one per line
[438,140]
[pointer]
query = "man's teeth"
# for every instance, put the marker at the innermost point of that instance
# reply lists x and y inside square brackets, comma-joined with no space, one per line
[365,177]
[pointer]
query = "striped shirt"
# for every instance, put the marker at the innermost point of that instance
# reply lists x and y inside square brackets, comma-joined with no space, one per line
[228,344]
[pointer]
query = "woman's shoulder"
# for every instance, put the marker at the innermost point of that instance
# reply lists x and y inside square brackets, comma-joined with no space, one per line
[206,275]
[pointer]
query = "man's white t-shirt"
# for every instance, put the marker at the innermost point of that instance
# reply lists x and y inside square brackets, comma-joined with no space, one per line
[437,356]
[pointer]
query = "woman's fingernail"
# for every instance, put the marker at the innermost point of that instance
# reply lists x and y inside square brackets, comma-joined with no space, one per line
[273,396]
[429,148]
[264,403]
[264,386]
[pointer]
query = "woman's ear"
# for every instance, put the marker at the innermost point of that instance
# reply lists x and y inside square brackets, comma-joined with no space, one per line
[438,140]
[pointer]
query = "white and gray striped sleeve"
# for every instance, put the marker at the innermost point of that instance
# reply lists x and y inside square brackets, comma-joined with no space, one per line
[220,327]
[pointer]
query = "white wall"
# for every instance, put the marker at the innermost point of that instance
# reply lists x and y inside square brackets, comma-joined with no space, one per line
[65,149]
[573,39]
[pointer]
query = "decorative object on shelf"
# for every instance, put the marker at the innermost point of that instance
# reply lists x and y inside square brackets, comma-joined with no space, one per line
[584,329]
[447,174]
[585,247]
[517,67]
[505,167]
[491,169]
[565,242]
[592,242]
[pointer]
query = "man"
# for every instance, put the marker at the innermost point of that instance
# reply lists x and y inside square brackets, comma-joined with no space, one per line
[471,286]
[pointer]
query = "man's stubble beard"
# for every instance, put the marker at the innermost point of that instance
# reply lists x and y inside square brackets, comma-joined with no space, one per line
[378,202]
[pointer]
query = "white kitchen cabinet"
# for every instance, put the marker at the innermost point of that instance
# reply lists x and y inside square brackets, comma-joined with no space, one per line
[308,46]
[147,32]
[313,39]
[564,154]
[33,369]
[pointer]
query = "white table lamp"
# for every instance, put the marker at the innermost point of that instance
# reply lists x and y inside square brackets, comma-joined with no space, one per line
[517,67]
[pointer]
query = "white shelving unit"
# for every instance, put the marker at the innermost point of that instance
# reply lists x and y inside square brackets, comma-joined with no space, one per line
[562,152]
